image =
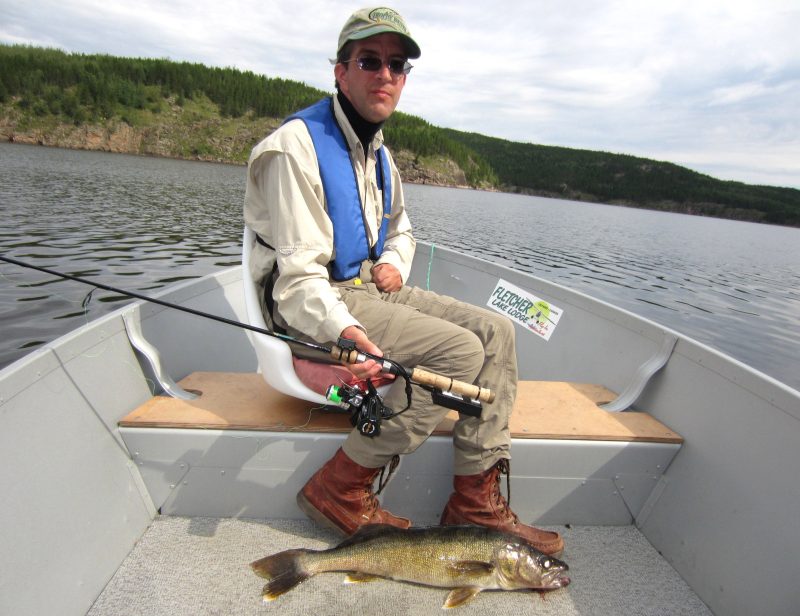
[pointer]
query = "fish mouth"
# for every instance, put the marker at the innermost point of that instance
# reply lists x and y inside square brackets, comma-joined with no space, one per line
[557,581]
[561,581]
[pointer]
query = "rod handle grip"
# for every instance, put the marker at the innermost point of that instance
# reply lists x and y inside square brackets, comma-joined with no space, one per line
[346,356]
[418,375]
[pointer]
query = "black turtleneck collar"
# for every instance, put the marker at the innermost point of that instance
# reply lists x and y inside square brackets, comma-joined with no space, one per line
[364,130]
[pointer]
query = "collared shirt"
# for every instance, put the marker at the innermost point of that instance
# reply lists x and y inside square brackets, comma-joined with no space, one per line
[285,205]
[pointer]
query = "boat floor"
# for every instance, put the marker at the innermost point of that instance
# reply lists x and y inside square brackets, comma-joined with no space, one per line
[200,566]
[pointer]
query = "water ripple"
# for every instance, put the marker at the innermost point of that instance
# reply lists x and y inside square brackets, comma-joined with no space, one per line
[687,273]
[143,223]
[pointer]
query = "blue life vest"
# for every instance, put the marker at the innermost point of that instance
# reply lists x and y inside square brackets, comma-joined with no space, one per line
[350,238]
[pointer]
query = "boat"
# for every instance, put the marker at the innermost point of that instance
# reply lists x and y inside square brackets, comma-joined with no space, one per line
[146,461]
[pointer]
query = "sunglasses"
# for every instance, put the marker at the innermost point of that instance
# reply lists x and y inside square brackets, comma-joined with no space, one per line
[372,64]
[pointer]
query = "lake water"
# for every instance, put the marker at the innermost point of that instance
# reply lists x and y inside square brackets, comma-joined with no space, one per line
[143,223]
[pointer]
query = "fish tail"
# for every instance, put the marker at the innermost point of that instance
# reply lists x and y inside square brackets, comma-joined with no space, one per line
[283,571]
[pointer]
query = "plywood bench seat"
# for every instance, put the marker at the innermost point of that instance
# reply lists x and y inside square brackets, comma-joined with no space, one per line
[243,401]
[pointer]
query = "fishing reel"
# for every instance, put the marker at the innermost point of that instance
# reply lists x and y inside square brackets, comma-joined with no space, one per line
[367,409]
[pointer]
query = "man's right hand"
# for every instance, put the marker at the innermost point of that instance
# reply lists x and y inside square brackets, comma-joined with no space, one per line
[368,369]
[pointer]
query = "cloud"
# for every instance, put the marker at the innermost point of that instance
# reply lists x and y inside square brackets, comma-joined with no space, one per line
[712,84]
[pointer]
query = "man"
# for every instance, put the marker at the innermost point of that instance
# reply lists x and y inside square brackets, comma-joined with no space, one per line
[335,249]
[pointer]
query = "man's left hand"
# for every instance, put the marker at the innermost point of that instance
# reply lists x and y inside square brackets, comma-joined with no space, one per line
[387,277]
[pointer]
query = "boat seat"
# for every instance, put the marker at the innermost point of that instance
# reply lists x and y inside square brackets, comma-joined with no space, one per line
[219,454]
[293,376]
[243,401]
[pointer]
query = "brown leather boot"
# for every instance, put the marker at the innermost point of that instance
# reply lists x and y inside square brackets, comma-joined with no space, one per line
[477,500]
[339,496]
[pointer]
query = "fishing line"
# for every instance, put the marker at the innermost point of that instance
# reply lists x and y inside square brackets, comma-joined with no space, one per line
[66,298]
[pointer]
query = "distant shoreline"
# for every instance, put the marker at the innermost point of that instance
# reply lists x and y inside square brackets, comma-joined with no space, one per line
[120,138]
[409,175]
[35,139]
[158,107]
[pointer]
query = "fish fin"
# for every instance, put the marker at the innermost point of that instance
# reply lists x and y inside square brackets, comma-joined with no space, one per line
[460,596]
[474,568]
[367,532]
[356,577]
[283,570]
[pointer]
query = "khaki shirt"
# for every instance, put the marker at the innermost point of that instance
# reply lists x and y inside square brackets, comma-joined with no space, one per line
[285,204]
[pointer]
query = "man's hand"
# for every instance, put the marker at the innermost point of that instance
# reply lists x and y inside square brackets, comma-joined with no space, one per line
[367,369]
[387,277]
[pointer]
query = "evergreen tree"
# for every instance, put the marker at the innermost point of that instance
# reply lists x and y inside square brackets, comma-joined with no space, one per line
[79,88]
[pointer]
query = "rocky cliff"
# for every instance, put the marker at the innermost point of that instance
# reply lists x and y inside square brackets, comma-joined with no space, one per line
[214,140]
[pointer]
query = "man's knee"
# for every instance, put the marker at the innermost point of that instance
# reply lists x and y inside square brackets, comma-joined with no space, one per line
[491,327]
[500,329]
[466,351]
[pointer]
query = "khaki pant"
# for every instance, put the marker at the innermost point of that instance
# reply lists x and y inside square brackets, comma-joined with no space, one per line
[418,328]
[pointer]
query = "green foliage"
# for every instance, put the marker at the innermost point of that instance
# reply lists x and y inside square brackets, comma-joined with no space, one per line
[105,84]
[629,180]
[78,89]
[405,132]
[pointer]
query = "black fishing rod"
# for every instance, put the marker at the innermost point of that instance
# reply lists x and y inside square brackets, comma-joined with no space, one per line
[161,302]
[447,392]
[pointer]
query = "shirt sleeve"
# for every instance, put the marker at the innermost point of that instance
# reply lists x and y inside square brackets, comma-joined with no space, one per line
[284,182]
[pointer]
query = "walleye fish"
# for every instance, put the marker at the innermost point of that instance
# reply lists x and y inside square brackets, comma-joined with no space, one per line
[467,559]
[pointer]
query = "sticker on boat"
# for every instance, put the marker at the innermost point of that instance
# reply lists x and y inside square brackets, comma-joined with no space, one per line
[533,313]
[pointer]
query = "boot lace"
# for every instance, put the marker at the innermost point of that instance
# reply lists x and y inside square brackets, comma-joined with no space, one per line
[504,505]
[387,470]
[371,503]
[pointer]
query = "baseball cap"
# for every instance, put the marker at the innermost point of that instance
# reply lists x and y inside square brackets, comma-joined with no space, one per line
[371,21]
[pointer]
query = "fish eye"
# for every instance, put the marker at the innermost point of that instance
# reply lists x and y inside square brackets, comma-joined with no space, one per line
[546,563]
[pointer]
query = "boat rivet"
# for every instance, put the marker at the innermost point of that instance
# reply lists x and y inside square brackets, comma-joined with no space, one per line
[172,486]
[186,483]
[222,472]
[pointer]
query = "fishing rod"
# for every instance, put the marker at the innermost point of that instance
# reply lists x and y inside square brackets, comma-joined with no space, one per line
[161,302]
[366,406]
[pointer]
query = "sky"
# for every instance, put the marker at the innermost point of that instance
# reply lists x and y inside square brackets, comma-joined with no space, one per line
[713,85]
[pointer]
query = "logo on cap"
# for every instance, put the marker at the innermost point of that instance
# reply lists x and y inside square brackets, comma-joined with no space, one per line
[389,16]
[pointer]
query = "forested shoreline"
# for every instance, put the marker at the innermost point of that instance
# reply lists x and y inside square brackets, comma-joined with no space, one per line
[188,110]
